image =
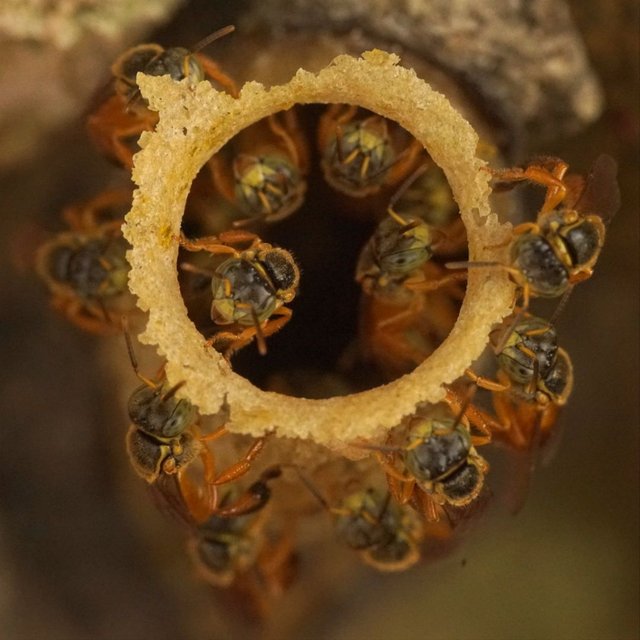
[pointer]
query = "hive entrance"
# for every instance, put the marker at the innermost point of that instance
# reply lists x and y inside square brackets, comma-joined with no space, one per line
[332,345]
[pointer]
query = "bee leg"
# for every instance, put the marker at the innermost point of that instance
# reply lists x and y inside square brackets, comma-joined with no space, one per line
[400,486]
[120,149]
[253,499]
[85,316]
[222,177]
[485,383]
[241,467]
[481,420]
[508,417]
[406,161]
[580,276]
[275,324]
[277,563]
[518,230]
[291,138]
[426,286]
[212,244]
[551,179]
[213,71]
[427,506]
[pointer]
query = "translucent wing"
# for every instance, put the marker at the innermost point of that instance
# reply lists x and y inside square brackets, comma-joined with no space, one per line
[601,193]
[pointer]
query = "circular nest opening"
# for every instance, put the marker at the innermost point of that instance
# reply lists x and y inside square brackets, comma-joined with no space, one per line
[195,123]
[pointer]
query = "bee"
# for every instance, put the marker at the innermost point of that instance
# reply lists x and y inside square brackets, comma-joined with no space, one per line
[409,302]
[265,177]
[549,256]
[230,540]
[363,154]
[164,440]
[426,195]
[117,123]
[534,381]
[249,288]
[386,535]
[233,548]
[439,464]
[85,268]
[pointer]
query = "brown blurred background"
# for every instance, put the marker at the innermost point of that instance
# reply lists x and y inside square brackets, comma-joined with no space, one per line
[83,554]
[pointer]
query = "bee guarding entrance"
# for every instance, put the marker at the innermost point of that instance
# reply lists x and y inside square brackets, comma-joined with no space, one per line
[335,222]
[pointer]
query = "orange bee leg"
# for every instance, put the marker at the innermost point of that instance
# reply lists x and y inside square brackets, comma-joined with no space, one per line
[400,486]
[86,316]
[404,163]
[276,564]
[331,120]
[426,286]
[485,383]
[222,177]
[427,506]
[580,276]
[119,147]
[481,420]
[551,179]
[241,467]
[292,138]
[219,245]
[215,73]
[507,415]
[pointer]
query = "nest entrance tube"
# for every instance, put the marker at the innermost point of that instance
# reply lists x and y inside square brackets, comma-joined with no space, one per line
[194,124]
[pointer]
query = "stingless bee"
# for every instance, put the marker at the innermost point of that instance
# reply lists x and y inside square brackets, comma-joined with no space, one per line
[409,302]
[85,268]
[386,535]
[437,466]
[426,195]
[362,154]
[164,440]
[265,176]
[116,124]
[549,256]
[250,288]
[534,381]
[229,541]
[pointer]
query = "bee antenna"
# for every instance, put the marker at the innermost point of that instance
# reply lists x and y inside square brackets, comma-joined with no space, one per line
[309,485]
[407,183]
[172,392]
[561,305]
[132,354]
[216,35]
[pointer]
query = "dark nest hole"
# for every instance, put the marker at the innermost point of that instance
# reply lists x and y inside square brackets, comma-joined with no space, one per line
[316,354]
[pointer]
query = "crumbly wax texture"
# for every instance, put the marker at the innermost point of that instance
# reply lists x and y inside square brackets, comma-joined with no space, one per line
[195,122]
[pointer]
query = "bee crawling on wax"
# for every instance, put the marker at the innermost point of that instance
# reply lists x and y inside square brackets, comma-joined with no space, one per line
[250,288]
[115,125]
[549,256]
[85,268]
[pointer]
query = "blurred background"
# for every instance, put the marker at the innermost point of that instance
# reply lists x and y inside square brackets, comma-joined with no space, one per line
[84,554]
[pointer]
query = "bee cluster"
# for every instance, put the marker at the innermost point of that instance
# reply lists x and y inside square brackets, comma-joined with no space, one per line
[409,275]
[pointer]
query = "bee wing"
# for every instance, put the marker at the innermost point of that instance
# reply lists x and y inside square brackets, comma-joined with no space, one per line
[521,463]
[601,193]
[168,499]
